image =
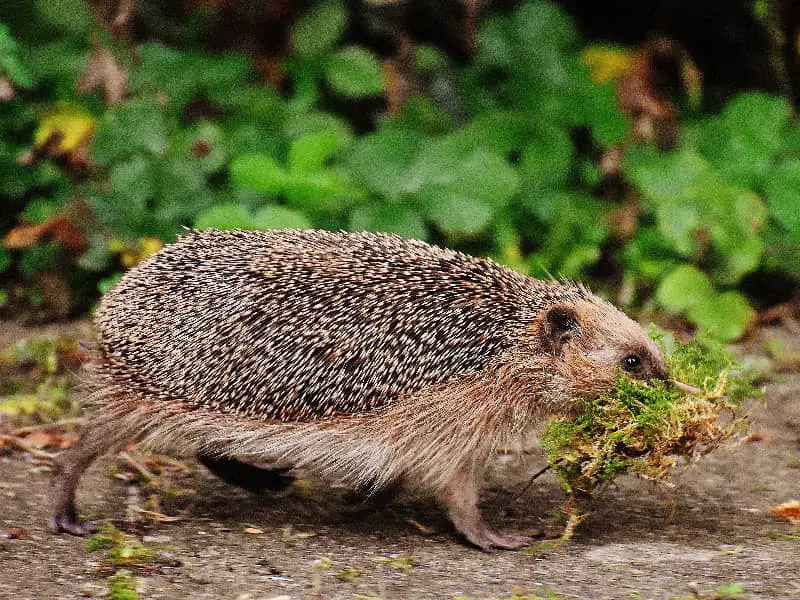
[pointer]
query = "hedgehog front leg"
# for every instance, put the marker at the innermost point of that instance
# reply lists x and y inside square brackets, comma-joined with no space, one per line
[460,499]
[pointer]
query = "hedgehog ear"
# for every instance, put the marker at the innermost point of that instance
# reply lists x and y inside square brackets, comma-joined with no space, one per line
[560,326]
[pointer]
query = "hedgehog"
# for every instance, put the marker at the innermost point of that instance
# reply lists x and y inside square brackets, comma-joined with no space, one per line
[370,358]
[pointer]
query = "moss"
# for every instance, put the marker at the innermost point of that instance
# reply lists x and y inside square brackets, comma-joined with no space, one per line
[122,586]
[643,426]
[122,550]
[348,574]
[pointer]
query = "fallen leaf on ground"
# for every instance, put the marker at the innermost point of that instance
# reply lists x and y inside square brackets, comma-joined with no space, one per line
[253,530]
[788,510]
[758,437]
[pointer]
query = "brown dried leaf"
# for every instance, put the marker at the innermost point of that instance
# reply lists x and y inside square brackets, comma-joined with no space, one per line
[6,90]
[103,72]
[24,236]
[60,228]
[789,511]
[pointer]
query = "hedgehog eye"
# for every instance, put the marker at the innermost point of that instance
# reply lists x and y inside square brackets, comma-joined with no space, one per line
[631,362]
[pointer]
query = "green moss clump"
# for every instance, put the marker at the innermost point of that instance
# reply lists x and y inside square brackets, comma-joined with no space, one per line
[642,426]
[122,586]
[122,550]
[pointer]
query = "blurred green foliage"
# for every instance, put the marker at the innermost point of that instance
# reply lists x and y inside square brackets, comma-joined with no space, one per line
[513,171]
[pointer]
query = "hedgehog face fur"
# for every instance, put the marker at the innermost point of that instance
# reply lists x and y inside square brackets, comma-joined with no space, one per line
[366,357]
[590,341]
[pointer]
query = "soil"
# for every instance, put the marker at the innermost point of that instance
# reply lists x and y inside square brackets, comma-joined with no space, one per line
[712,529]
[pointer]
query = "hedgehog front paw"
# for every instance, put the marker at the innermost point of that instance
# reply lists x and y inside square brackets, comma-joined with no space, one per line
[66,520]
[509,541]
[486,539]
[461,501]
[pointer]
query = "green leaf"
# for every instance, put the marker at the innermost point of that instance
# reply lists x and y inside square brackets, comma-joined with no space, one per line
[388,218]
[134,180]
[661,177]
[10,63]
[320,28]
[684,288]
[259,173]
[382,160]
[744,139]
[494,43]
[70,17]
[137,125]
[318,192]
[181,192]
[648,254]
[225,216]
[300,123]
[98,255]
[604,116]
[541,24]
[487,177]
[40,209]
[724,317]
[273,216]
[354,73]
[501,131]
[38,259]
[203,143]
[741,260]
[454,214]
[781,191]
[105,284]
[547,158]
[310,152]
[429,58]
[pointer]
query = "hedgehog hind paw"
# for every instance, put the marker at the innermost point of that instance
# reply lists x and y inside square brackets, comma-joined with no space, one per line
[66,520]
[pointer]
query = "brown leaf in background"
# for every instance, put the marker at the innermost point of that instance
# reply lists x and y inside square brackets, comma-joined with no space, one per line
[103,72]
[6,90]
[59,228]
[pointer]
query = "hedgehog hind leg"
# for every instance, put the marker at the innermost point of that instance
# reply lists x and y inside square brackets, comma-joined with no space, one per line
[249,477]
[93,442]
[460,499]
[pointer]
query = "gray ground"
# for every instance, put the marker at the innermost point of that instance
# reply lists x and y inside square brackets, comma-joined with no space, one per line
[713,529]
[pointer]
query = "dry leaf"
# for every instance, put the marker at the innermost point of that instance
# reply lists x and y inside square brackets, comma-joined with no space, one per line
[103,72]
[6,90]
[789,511]
[253,530]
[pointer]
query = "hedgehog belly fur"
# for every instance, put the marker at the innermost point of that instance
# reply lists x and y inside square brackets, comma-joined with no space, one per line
[424,439]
